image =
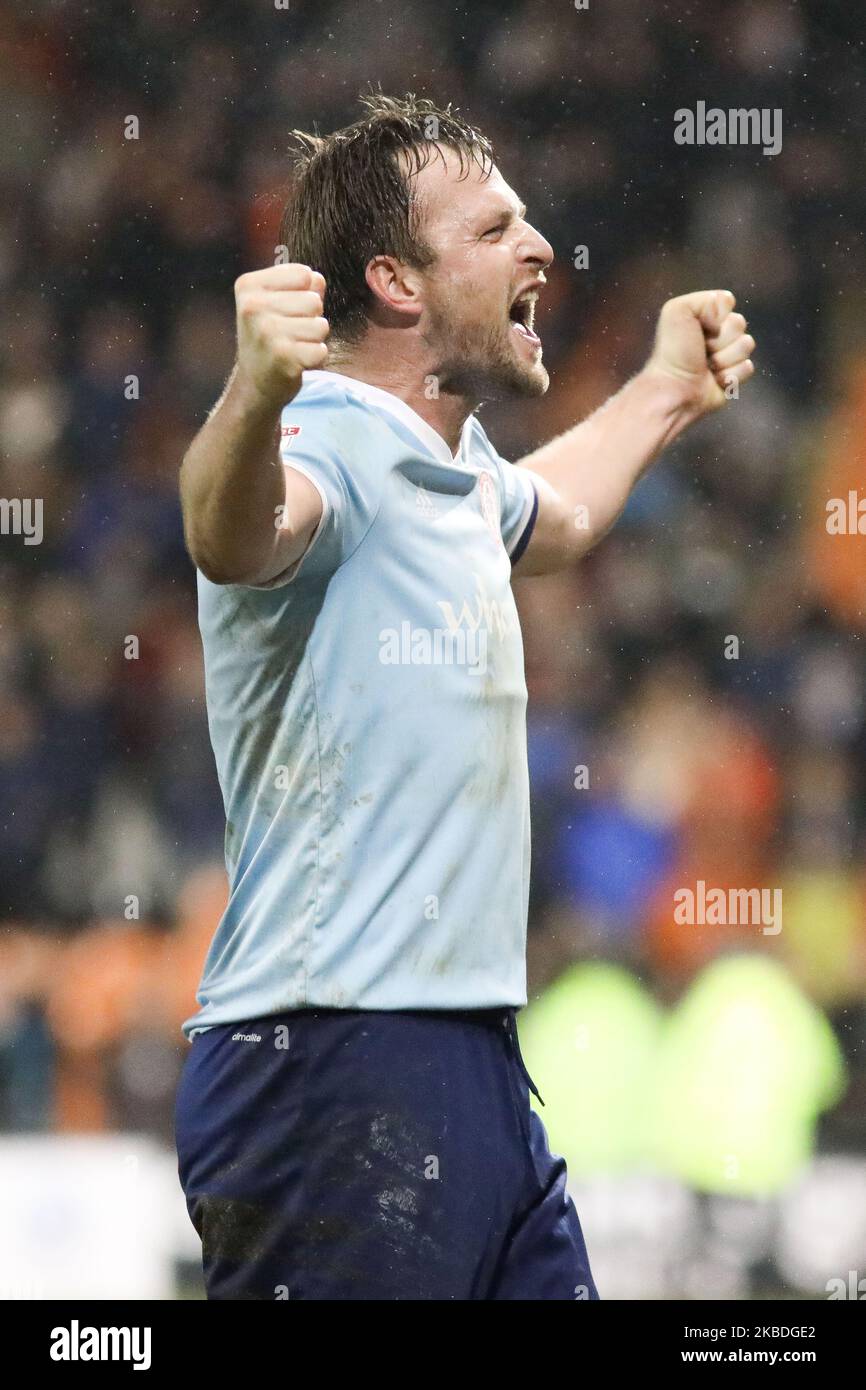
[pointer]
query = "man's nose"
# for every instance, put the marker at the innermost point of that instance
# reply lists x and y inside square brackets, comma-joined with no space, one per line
[535,248]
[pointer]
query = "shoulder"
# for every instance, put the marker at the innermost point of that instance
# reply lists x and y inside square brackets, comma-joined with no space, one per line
[482,454]
[324,410]
[479,446]
[518,497]
[330,427]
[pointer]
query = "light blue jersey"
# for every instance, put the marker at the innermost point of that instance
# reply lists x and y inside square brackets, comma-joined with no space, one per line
[367,713]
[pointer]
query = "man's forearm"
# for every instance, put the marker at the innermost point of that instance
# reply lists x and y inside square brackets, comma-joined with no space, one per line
[593,467]
[247,518]
[701,350]
[232,484]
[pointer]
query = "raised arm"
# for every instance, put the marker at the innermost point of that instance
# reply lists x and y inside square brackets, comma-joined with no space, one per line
[246,517]
[584,477]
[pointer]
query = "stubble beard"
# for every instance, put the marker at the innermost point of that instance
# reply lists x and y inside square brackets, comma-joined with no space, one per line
[481,364]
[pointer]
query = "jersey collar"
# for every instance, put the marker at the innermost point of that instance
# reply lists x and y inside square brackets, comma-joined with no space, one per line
[386,400]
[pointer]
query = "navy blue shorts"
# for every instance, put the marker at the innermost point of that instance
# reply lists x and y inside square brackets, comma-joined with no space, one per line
[347,1154]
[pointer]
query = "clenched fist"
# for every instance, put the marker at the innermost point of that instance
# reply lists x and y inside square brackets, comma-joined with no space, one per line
[281,329]
[702,343]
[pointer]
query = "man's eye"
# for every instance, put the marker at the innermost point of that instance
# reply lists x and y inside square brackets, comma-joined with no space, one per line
[495,231]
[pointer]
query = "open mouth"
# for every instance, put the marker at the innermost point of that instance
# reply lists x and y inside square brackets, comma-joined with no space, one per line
[522,315]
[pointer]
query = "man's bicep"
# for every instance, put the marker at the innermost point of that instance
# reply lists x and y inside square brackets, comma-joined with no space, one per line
[555,538]
[309,525]
[537,529]
[298,524]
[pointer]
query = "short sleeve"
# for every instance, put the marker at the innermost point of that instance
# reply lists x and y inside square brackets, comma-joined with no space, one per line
[325,440]
[519,509]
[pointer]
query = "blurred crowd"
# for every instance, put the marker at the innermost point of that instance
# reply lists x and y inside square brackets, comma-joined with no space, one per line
[696,687]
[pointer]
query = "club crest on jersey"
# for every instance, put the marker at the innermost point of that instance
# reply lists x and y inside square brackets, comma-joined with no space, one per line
[489,500]
[288,434]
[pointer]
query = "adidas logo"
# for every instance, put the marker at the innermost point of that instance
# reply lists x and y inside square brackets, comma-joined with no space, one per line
[425,504]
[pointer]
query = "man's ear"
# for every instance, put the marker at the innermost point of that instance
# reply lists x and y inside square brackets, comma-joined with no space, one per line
[395,287]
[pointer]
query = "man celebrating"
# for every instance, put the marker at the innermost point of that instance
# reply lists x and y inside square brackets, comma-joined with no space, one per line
[353,1119]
